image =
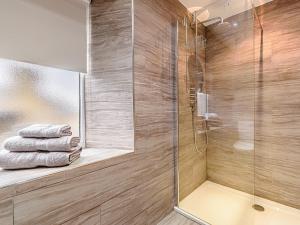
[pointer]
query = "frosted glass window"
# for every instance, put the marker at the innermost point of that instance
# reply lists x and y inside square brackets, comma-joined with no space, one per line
[37,94]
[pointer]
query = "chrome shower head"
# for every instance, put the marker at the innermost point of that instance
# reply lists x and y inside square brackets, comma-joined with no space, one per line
[213,21]
[217,24]
[218,20]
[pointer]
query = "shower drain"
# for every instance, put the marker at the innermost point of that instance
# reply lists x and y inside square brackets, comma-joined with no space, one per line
[258,207]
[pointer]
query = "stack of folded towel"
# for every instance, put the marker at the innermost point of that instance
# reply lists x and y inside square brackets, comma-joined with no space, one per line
[40,145]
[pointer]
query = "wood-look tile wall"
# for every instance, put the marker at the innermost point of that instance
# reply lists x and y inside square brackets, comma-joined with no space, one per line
[277,154]
[109,82]
[61,202]
[230,84]
[191,164]
[155,74]
[91,217]
[277,121]
[6,212]
[139,189]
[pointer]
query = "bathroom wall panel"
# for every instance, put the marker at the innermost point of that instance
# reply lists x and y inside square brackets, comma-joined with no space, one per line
[6,192]
[122,208]
[63,201]
[230,84]
[146,181]
[109,82]
[6,212]
[155,90]
[277,95]
[91,217]
[155,78]
[156,212]
[154,74]
[192,164]
[277,155]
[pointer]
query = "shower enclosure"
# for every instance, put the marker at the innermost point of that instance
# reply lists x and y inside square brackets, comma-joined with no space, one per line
[218,63]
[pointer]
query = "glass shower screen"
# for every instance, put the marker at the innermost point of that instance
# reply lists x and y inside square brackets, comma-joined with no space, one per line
[216,98]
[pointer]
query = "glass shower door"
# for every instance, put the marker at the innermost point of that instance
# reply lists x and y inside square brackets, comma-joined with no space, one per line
[216,99]
[191,126]
[230,73]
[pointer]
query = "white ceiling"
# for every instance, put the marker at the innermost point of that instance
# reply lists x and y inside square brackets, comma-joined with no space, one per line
[223,8]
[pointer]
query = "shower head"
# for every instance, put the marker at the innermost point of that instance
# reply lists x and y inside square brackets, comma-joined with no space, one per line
[217,24]
[215,21]
[218,20]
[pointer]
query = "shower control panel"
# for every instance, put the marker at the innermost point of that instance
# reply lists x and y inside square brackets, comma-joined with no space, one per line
[198,102]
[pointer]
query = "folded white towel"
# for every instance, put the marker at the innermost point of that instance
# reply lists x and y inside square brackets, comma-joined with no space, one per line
[62,144]
[24,160]
[46,131]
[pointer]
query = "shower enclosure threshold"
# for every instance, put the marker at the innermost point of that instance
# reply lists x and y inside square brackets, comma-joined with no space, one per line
[221,205]
[190,216]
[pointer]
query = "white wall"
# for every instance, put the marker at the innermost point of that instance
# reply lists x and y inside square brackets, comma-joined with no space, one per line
[45,32]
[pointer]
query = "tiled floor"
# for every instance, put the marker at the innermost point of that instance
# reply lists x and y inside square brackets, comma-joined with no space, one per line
[220,205]
[176,219]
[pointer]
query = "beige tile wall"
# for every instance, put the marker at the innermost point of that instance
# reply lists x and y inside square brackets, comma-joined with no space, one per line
[140,189]
[109,82]
[191,164]
[277,154]
[6,212]
[230,76]
[143,186]
[230,84]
